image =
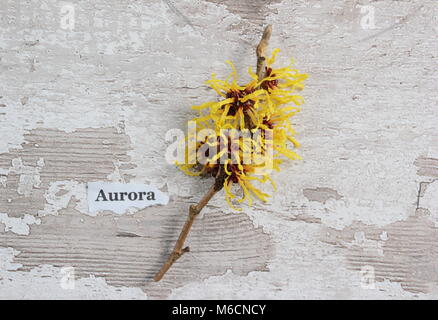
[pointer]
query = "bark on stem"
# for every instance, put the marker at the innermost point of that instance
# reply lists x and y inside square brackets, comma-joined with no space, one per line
[260,51]
[194,211]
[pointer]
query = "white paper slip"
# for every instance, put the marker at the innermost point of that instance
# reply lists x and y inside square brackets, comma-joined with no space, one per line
[118,197]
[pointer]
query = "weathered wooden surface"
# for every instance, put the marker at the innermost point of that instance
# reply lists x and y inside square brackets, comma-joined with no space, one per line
[94,103]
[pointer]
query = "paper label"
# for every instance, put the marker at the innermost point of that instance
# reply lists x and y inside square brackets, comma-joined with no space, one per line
[118,197]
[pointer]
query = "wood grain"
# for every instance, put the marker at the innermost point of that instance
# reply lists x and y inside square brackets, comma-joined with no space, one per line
[83,155]
[128,250]
[95,103]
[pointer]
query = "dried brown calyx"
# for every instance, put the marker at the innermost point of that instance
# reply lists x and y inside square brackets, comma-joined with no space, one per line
[236,104]
[269,84]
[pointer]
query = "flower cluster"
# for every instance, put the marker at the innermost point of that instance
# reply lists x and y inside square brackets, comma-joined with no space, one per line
[249,122]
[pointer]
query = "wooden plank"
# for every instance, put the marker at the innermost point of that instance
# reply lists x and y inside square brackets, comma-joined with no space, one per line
[94,104]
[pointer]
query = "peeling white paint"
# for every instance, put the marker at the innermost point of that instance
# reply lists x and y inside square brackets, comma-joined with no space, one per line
[363,148]
[429,201]
[3,181]
[303,268]
[19,226]
[60,193]
[288,286]
[362,127]
[29,175]
[368,246]
[340,213]
[46,282]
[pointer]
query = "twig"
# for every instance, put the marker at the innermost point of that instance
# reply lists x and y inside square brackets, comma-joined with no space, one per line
[194,211]
[260,51]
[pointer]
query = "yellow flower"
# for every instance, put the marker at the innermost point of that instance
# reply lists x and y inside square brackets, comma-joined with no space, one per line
[283,132]
[239,103]
[265,104]
[242,176]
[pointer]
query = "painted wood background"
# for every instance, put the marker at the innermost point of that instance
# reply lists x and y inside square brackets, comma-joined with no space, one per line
[90,98]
